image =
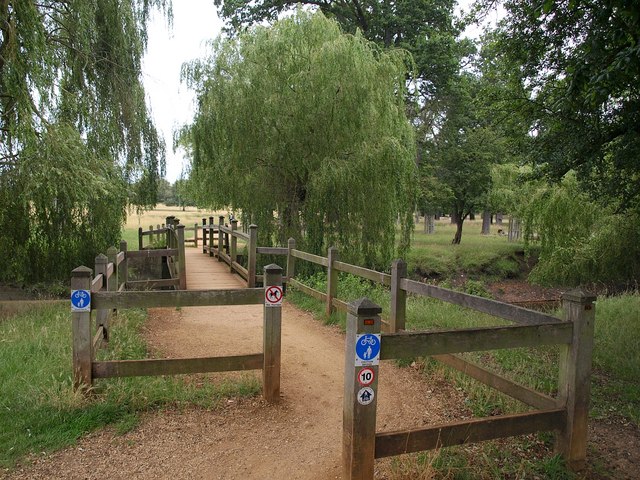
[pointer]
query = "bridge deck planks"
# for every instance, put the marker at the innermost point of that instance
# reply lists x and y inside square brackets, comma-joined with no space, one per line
[207,273]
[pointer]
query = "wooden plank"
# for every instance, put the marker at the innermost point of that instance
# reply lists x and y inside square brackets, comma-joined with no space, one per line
[120,257]
[372,275]
[155,252]
[241,235]
[514,390]
[308,290]
[98,338]
[398,310]
[272,339]
[122,287]
[178,298]
[110,269]
[272,250]
[243,272]
[492,307]
[176,366]
[470,431]
[408,345]
[145,284]
[153,232]
[340,304]
[309,257]
[97,282]
[225,257]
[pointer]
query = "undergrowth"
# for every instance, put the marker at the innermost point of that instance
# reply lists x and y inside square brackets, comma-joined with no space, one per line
[39,410]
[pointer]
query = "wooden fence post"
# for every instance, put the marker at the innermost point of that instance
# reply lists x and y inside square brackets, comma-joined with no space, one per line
[574,387]
[81,328]
[111,283]
[332,280]
[182,264]
[398,296]
[204,235]
[169,226]
[291,260]
[272,332]
[233,251]
[123,273]
[195,235]
[211,250]
[139,238]
[252,248]
[362,352]
[151,236]
[102,316]
[220,236]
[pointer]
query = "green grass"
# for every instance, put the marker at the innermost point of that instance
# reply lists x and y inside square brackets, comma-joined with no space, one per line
[477,256]
[39,411]
[130,235]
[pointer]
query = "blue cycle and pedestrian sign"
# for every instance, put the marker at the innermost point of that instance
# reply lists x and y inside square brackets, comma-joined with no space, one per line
[367,349]
[80,301]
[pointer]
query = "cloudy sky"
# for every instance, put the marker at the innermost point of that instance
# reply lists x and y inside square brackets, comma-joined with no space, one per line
[195,22]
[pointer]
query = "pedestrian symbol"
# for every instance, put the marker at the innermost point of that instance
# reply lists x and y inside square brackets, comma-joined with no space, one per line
[365,396]
[367,349]
[80,301]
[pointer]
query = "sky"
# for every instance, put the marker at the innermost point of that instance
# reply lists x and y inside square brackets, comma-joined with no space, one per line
[172,105]
[195,22]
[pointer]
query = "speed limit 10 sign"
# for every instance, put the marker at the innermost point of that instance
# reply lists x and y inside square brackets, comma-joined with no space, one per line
[366,376]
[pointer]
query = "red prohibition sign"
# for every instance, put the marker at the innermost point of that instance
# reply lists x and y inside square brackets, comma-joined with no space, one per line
[366,376]
[273,295]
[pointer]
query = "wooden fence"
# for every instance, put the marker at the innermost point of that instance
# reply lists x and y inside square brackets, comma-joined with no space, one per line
[566,414]
[166,241]
[97,298]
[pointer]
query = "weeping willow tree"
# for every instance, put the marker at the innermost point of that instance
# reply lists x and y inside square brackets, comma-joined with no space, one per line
[303,129]
[76,140]
[581,240]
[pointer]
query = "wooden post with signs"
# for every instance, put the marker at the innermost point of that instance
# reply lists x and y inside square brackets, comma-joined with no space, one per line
[574,386]
[252,248]
[332,280]
[81,327]
[398,296]
[272,332]
[362,355]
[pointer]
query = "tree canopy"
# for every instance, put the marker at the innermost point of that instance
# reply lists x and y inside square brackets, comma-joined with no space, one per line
[76,140]
[306,122]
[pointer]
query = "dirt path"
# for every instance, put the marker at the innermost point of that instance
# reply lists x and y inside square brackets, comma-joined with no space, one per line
[300,438]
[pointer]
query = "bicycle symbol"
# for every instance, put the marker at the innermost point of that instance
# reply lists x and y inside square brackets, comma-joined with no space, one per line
[80,299]
[368,341]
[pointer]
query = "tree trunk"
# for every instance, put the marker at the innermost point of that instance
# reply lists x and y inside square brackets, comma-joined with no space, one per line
[429,224]
[454,218]
[486,222]
[456,240]
[472,216]
[498,219]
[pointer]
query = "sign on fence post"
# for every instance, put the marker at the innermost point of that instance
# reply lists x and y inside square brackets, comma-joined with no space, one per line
[360,389]
[81,326]
[272,332]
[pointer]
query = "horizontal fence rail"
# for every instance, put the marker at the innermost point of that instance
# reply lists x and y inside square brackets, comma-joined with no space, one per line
[178,298]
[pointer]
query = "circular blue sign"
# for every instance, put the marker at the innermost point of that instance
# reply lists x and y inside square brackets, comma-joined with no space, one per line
[367,347]
[81,300]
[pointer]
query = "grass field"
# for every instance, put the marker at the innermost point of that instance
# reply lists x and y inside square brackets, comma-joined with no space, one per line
[40,412]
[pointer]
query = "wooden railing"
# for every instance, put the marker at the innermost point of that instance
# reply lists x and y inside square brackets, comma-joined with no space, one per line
[165,241]
[97,298]
[565,414]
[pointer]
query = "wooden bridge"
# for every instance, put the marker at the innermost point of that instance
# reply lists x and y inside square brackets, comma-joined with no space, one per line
[218,274]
